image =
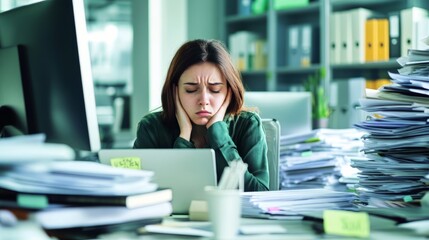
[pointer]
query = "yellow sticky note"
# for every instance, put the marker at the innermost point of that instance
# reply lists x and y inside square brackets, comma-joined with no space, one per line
[346,223]
[126,162]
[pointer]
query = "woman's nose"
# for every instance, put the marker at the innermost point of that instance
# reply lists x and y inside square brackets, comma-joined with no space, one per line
[204,98]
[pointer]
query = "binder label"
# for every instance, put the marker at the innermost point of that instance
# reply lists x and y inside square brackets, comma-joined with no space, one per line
[126,162]
[346,223]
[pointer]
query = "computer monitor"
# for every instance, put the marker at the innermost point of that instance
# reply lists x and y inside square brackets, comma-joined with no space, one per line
[291,109]
[55,71]
[13,117]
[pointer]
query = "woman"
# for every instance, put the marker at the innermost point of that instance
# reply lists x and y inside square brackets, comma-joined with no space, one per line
[202,102]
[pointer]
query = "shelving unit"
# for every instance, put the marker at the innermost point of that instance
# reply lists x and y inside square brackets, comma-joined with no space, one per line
[273,26]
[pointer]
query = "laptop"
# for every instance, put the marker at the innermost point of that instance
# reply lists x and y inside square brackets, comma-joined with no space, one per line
[185,171]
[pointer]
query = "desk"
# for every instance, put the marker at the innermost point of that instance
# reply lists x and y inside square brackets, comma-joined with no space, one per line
[296,229]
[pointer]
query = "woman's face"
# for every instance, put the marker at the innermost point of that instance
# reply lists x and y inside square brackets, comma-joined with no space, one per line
[202,90]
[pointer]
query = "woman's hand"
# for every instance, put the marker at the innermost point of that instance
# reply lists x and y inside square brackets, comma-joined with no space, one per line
[182,117]
[220,114]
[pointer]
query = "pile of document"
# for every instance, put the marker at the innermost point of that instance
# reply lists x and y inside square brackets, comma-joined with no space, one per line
[318,159]
[68,197]
[294,203]
[30,149]
[396,142]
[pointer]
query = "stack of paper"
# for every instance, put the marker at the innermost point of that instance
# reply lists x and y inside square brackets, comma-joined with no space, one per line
[294,202]
[32,148]
[396,143]
[78,199]
[318,160]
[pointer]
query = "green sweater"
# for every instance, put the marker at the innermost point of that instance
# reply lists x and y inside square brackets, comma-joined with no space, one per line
[238,137]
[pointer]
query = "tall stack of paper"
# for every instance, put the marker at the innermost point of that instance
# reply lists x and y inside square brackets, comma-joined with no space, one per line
[396,143]
[318,160]
[77,197]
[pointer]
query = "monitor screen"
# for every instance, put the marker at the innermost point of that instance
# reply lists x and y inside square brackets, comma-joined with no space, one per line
[13,118]
[291,109]
[55,70]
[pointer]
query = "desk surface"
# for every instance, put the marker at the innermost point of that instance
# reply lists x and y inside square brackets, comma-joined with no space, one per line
[296,229]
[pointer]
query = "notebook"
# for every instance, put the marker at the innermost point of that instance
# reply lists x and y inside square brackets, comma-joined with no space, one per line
[185,171]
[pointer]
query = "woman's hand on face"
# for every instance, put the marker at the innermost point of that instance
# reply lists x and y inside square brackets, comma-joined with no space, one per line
[220,114]
[185,124]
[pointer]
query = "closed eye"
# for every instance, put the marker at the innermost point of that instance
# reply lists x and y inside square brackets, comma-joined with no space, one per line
[216,87]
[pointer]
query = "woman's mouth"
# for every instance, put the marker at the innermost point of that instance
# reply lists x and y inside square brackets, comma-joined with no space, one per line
[203,113]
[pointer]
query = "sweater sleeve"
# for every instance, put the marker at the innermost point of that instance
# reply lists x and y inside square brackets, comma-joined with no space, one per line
[252,146]
[182,143]
[145,138]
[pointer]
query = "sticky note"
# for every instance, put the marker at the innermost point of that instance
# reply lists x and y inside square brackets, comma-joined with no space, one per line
[32,201]
[307,154]
[313,139]
[408,199]
[126,162]
[346,223]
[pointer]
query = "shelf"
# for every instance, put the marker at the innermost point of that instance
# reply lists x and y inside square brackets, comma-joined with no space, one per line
[254,72]
[249,18]
[342,4]
[369,65]
[275,25]
[298,70]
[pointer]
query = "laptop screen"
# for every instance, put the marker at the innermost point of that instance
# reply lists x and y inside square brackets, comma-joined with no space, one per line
[185,171]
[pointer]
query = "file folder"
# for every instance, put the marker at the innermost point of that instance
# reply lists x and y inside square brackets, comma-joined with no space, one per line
[345,101]
[293,51]
[371,40]
[394,35]
[345,37]
[409,17]
[244,7]
[334,32]
[240,44]
[306,46]
[358,18]
[422,31]
[383,39]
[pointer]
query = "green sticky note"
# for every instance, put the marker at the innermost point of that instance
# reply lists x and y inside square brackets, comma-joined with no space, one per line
[408,199]
[32,201]
[346,223]
[306,154]
[259,6]
[286,4]
[126,162]
[313,139]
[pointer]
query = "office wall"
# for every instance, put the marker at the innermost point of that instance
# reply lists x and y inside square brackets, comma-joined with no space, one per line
[203,19]
[160,27]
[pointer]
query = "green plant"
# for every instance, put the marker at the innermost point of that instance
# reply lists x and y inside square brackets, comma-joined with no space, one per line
[320,104]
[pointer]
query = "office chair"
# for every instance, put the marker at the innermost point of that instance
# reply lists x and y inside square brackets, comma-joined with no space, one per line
[272,134]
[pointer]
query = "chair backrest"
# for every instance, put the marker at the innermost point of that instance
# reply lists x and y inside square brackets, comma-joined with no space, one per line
[272,134]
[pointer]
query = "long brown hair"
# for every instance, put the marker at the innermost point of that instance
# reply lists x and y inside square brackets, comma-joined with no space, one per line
[194,52]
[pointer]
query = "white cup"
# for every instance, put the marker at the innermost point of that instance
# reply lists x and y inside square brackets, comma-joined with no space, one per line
[224,208]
